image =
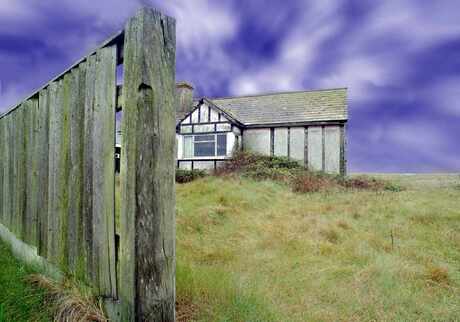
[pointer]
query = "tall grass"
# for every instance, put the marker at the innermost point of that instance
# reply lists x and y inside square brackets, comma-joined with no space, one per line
[353,254]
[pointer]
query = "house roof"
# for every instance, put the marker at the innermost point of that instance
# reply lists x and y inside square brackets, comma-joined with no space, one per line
[287,107]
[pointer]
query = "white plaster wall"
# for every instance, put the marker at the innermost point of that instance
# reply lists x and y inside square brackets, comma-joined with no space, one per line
[195,116]
[332,149]
[204,113]
[297,144]
[179,145]
[230,143]
[214,115]
[257,140]
[315,147]
[281,142]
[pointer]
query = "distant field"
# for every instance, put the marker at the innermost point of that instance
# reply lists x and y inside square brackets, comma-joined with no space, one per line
[419,180]
[255,251]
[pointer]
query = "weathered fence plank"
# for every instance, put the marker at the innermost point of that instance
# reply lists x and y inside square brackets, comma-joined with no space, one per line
[77,109]
[54,144]
[147,249]
[87,206]
[103,137]
[31,222]
[20,167]
[11,173]
[2,166]
[42,154]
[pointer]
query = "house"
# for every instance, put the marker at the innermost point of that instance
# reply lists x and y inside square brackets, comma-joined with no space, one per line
[307,126]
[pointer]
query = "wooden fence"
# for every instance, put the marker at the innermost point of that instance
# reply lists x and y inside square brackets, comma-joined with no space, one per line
[57,175]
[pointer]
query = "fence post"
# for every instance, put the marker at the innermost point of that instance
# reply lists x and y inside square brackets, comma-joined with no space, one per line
[147,236]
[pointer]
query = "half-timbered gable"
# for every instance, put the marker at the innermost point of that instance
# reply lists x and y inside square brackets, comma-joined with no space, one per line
[206,136]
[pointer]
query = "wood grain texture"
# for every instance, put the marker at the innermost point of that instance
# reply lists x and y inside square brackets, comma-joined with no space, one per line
[55,128]
[77,109]
[11,173]
[147,250]
[2,167]
[42,155]
[87,201]
[30,131]
[20,171]
[103,193]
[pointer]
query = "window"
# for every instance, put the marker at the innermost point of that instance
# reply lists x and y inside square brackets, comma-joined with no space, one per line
[209,145]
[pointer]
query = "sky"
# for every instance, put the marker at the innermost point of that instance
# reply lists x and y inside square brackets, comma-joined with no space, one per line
[400,61]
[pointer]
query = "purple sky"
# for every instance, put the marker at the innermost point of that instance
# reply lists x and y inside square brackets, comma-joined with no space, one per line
[399,59]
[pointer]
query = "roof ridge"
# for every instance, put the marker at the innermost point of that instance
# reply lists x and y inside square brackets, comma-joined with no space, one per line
[276,93]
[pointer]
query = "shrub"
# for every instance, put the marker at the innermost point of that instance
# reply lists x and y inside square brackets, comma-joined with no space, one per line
[184,176]
[307,182]
[283,169]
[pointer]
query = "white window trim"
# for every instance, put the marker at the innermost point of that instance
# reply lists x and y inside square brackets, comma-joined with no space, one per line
[215,156]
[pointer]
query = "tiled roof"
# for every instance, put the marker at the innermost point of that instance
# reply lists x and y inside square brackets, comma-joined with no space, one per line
[289,107]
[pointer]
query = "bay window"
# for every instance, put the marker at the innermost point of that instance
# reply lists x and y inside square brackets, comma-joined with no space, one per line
[206,145]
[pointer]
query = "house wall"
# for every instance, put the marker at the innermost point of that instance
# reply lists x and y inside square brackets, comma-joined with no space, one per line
[315,147]
[297,144]
[257,140]
[332,149]
[280,141]
[318,147]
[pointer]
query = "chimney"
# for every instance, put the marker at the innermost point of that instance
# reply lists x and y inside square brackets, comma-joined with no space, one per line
[184,93]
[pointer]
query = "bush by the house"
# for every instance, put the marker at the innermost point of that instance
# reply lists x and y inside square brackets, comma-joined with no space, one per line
[282,169]
[183,176]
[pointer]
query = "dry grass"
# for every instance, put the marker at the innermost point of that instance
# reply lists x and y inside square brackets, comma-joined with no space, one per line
[438,275]
[354,255]
[70,303]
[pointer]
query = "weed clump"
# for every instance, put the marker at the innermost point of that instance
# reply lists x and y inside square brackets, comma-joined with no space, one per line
[439,275]
[302,180]
[70,302]
[184,176]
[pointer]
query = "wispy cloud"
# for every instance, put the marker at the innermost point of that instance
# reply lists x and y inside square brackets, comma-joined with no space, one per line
[398,58]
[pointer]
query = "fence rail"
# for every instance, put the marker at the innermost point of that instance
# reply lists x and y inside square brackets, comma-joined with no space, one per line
[57,171]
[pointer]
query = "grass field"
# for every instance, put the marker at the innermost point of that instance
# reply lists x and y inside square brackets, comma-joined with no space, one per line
[255,251]
[19,302]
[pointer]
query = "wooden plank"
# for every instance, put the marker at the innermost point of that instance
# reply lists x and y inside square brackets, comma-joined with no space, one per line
[87,200]
[147,248]
[77,108]
[11,173]
[42,153]
[104,170]
[54,142]
[2,166]
[63,172]
[20,171]
[31,222]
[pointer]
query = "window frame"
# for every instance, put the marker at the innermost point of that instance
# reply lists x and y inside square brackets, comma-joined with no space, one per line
[215,141]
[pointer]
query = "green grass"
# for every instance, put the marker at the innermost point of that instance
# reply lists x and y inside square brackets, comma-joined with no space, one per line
[18,300]
[255,251]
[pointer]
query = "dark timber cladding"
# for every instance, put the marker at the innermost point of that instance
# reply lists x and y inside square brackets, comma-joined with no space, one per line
[147,244]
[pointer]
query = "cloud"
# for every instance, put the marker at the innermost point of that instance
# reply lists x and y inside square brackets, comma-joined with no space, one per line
[398,59]
[297,54]
[444,95]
